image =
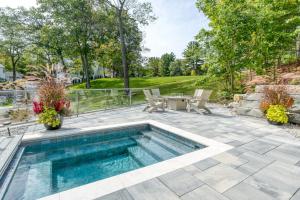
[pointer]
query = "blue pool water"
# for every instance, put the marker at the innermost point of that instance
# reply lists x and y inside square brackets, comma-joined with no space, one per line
[51,166]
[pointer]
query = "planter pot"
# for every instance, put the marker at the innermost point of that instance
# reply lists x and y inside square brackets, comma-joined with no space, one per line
[275,123]
[61,119]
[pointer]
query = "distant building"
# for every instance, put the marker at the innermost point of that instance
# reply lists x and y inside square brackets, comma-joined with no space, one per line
[2,73]
[8,75]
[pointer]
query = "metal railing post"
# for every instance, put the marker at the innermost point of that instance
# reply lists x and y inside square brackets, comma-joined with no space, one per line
[130,95]
[77,101]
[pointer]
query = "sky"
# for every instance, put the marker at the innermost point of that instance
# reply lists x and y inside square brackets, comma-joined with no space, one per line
[178,21]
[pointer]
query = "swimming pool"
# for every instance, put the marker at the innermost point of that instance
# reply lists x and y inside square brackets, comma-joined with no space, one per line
[54,165]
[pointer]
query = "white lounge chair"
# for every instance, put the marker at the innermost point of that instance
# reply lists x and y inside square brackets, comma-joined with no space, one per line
[198,93]
[155,92]
[198,102]
[153,103]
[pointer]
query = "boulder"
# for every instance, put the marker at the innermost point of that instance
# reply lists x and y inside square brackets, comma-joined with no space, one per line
[254,97]
[250,104]
[291,89]
[294,118]
[256,112]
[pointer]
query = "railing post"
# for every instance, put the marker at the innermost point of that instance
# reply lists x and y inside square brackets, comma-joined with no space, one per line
[130,95]
[77,101]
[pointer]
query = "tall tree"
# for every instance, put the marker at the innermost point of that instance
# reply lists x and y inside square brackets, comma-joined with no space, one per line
[176,68]
[153,65]
[13,38]
[166,61]
[194,56]
[141,12]
[83,23]
[47,38]
[250,34]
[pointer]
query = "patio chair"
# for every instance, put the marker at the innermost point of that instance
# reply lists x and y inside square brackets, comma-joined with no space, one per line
[155,92]
[153,103]
[197,93]
[198,102]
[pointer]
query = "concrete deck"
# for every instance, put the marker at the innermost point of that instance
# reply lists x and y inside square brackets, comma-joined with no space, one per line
[265,163]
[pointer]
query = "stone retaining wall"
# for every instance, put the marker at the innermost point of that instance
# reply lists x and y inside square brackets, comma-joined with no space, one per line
[249,105]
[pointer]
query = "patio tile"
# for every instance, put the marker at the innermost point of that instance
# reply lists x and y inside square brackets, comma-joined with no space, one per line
[235,143]
[278,180]
[223,139]
[207,163]
[203,193]
[230,159]
[193,170]
[296,195]
[237,151]
[151,190]
[119,195]
[245,191]
[286,153]
[258,146]
[255,162]
[221,177]
[180,182]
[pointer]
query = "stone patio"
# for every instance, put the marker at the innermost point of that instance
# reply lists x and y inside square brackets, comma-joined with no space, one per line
[265,163]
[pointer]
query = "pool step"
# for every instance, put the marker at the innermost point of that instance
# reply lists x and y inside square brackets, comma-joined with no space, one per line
[172,145]
[8,147]
[104,149]
[141,156]
[154,149]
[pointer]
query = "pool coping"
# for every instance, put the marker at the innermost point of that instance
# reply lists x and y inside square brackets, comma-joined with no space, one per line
[109,185]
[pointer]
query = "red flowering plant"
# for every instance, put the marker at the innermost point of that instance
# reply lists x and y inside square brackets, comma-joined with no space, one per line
[275,96]
[51,103]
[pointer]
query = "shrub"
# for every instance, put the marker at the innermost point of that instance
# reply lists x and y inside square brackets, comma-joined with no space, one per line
[50,117]
[277,113]
[50,92]
[276,96]
[51,95]
[52,103]
[193,73]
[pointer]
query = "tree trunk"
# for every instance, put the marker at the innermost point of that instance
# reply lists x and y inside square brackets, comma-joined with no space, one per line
[59,52]
[14,68]
[124,53]
[85,64]
[275,70]
[232,87]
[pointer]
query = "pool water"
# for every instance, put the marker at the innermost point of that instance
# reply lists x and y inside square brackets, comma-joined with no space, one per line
[52,166]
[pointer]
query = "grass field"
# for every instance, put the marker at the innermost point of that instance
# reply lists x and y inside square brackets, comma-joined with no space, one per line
[93,99]
[141,82]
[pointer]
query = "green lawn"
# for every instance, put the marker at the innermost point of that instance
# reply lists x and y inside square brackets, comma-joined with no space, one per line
[93,99]
[138,82]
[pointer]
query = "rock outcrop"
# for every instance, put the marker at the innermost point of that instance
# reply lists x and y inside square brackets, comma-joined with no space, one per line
[249,103]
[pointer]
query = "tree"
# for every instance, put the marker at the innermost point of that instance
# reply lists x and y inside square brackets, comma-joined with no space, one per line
[48,40]
[176,68]
[82,20]
[136,11]
[13,38]
[166,60]
[194,54]
[153,65]
[250,34]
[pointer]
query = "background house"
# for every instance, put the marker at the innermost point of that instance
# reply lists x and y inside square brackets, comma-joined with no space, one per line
[8,75]
[2,73]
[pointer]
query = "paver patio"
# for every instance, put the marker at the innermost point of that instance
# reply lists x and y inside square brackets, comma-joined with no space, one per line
[265,163]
